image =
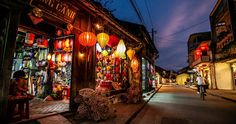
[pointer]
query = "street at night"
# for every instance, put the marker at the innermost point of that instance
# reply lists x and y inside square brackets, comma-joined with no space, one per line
[117,61]
[181,105]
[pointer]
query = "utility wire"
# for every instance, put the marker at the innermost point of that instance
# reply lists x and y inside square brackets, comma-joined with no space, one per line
[148,12]
[192,26]
[133,3]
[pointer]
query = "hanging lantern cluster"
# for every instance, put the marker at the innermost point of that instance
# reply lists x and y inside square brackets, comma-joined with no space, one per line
[58,57]
[64,44]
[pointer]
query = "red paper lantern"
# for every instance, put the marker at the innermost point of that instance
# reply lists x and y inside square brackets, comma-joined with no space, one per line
[113,41]
[87,39]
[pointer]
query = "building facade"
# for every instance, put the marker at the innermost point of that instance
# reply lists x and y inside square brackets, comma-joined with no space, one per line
[223,26]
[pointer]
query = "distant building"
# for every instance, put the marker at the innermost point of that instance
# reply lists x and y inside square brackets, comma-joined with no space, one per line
[183,77]
[200,57]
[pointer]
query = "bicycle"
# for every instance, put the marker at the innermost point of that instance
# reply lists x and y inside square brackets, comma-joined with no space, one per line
[202,92]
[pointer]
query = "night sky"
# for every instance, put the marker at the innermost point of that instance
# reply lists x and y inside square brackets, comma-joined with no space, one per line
[173,20]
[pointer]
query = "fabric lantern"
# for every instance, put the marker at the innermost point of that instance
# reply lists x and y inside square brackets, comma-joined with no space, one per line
[116,54]
[58,57]
[121,47]
[71,42]
[29,38]
[99,49]
[66,57]
[70,57]
[130,53]
[59,44]
[113,41]
[123,56]
[67,43]
[87,39]
[102,38]
[104,53]
[135,65]
[53,57]
[49,57]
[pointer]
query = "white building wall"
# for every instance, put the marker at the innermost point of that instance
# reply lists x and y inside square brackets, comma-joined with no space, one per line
[223,76]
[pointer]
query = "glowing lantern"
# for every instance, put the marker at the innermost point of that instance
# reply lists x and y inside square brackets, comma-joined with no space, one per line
[65,57]
[67,43]
[204,47]
[87,39]
[135,65]
[113,41]
[53,57]
[116,54]
[49,57]
[104,53]
[198,52]
[71,42]
[59,44]
[102,38]
[70,57]
[99,49]
[123,56]
[59,58]
[121,47]
[130,53]
[29,38]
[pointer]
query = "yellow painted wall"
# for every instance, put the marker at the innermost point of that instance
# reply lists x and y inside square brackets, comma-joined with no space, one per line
[223,76]
[180,79]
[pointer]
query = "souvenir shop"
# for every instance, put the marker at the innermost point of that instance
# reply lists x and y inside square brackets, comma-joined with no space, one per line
[115,67]
[44,51]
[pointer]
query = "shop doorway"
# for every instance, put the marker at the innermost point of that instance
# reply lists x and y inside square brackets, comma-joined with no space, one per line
[47,63]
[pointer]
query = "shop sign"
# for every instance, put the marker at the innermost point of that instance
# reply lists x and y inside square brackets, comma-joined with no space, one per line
[57,8]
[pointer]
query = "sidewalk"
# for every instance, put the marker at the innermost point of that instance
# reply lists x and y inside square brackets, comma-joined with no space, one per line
[224,94]
[124,114]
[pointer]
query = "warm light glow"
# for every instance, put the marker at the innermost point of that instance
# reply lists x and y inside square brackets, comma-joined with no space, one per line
[121,47]
[130,53]
[67,43]
[135,65]
[98,26]
[104,53]
[58,57]
[102,38]
[81,55]
[49,56]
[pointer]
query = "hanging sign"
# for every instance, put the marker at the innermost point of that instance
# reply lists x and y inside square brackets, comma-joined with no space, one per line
[58,8]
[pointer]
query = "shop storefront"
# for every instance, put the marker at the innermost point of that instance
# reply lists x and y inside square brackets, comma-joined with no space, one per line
[148,76]
[44,50]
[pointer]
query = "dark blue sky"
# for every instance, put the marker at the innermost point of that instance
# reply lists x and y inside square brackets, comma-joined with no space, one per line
[174,21]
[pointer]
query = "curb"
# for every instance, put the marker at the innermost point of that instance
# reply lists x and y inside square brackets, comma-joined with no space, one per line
[222,97]
[136,113]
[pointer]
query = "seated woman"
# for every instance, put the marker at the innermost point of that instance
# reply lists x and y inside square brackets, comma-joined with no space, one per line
[18,86]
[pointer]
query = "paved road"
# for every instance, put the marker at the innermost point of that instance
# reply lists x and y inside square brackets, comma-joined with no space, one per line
[179,105]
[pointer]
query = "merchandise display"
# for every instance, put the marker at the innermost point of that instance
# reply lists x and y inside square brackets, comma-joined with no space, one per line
[48,69]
